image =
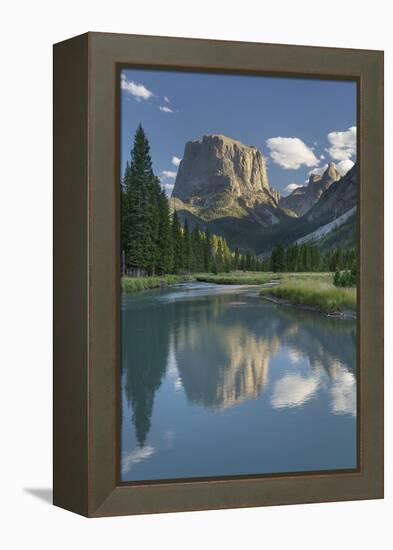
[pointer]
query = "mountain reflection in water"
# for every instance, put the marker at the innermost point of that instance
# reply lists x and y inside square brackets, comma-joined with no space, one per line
[228,376]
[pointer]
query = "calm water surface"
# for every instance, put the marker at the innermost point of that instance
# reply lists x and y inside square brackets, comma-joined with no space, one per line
[217,382]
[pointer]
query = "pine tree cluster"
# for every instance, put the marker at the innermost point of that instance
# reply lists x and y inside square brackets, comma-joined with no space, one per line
[308,257]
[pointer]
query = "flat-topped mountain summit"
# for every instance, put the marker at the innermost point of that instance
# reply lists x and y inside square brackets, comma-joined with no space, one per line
[220,176]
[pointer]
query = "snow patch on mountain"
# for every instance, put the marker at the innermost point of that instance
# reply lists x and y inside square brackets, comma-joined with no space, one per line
[327,228]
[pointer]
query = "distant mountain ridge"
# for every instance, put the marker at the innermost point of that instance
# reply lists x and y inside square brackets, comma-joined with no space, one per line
[340,197]
[222,185]
[302,199]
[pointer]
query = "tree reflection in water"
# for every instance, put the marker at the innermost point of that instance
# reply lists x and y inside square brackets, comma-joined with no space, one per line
[223,344]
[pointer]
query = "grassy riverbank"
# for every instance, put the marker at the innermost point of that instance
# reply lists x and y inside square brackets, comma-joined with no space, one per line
[236,278]
[314,290]
[134,284]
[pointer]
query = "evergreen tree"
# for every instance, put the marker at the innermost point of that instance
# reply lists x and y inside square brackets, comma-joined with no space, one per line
[177,244]
[220,257]
[197,249]
[207,252]
[139,239]
[164,243]
[186,248]
[253,263]
[278,259]
[125,223]
[226,255]
[236,260]
[154,223]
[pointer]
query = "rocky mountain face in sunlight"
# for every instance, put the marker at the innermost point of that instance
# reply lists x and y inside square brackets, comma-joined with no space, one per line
[302,199]
[220,177]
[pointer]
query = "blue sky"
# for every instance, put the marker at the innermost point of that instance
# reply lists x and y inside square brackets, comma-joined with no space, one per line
[298,124]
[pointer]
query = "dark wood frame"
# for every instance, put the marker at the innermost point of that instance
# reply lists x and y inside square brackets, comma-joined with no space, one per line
[86,274]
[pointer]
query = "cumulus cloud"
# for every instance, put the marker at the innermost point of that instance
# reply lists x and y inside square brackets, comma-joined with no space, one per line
[344,166]
[343,392]
[291,187]
[165,109]
[322,157]
[342,144]
[176,161]
[291,153]
[168,174]
[292,390]
[139,91]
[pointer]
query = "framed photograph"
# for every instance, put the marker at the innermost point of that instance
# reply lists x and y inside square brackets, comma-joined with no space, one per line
[218,274]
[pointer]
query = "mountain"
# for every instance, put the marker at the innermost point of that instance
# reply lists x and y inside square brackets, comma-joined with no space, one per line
[222,186]
[302,199]
[335,215]
[339,232]
[340,197]
[220,177]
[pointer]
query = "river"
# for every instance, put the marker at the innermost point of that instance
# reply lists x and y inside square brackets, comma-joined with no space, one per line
[217,382]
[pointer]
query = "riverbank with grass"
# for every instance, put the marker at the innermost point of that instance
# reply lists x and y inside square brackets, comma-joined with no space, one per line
[237,278]
[305,290]
[135,284]
[313,291]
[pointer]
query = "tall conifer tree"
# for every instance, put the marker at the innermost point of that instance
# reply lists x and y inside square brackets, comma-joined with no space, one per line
[164,262]
[139,241]
[177,243]
[186,248]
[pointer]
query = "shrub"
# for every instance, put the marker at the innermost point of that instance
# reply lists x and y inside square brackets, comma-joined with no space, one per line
[345,278]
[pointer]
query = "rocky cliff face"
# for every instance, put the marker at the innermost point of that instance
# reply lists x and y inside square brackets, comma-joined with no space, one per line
[340,197]
[302,199]
[219,176]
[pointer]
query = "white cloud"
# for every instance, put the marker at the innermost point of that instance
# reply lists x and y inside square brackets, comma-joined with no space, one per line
[135,457]
[291,153]
[168,174]
[343,392]
[292,390]
[344,166]
[166,99]
[137,90]
[291,187]
[342,144]
[176,161]
[320,170]
[322,157]
[165,109]
[168,188]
